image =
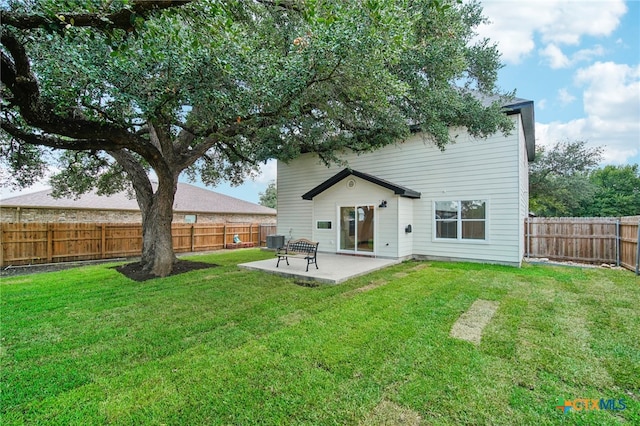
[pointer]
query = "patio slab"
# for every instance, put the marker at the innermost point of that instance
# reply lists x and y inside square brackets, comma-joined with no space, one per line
[332,268]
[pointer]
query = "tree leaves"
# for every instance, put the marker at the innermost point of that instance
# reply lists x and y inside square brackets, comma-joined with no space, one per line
[244,81]
[564,181]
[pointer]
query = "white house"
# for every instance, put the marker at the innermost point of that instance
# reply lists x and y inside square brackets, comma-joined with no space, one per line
[412,200]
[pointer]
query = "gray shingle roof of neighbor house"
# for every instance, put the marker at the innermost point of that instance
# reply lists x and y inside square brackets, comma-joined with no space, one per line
[189,198]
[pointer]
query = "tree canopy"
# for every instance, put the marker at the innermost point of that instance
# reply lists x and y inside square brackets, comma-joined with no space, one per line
[564,181]
[111,91]
[559,178]
[617,191]
[269,197]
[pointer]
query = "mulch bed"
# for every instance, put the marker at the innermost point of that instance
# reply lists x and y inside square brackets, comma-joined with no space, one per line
[134,270]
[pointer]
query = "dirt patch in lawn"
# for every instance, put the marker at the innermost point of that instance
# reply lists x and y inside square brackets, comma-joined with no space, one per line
[471,323]
[390,413]
[420,267]
[293,318]
[368,287]
[135,272]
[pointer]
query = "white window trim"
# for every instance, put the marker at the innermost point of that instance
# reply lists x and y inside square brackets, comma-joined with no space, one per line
[459,239]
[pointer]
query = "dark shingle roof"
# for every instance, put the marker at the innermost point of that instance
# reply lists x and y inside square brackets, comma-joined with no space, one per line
[525,108]
[189,198]
[397,189]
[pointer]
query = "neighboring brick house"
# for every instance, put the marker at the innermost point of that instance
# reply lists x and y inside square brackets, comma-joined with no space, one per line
[192,205]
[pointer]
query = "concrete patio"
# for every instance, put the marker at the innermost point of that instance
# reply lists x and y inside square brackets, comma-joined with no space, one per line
[332,268]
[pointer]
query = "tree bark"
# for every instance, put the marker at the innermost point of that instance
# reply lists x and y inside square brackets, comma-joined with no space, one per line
[158,256]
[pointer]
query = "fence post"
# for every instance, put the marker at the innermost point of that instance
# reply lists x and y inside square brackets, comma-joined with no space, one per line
[618,242]
[638,251]
[49,242]
[2,226]
[193,237]
[251,232]
[528,237]
[224,236]
[103,241]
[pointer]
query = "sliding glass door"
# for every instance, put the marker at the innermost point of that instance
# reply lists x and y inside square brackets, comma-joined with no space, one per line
[357,229]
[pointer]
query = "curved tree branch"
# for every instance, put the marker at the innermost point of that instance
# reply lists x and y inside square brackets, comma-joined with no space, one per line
[292,5]
[56,141]
[137,174]
[122,19]
[19,79]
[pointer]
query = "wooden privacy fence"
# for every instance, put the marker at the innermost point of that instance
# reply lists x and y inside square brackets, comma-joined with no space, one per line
[589,240]
[32,243]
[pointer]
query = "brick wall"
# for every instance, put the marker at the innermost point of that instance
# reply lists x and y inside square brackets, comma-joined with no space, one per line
[29,215]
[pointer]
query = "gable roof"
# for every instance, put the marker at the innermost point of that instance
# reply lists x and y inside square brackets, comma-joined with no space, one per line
[397,189]
[189,198]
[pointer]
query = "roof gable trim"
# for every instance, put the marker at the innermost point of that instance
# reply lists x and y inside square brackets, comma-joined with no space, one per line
[397,189]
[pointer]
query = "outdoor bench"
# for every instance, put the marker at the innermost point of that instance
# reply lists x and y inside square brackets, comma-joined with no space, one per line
[302,248]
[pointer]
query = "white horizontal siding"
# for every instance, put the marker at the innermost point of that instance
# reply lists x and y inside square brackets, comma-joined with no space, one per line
[405,217]
[386,227]
[489,169]
[326,205]
[294,214]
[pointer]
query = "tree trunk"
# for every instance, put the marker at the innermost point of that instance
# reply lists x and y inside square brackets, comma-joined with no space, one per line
[158,257]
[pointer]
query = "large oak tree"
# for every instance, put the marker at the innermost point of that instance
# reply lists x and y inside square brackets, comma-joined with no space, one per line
[112,90]
[559,178]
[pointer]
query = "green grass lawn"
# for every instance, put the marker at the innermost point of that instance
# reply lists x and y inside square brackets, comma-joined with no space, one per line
[230,346]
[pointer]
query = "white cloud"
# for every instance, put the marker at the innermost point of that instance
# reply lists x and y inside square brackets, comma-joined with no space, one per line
[554,55]
[557,59]
[541,104]
[612,92]
[587,54]
[573,19]
[565,97]
[611,100]
[513,25]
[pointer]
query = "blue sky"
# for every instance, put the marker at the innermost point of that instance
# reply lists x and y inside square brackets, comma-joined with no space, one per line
[579,61]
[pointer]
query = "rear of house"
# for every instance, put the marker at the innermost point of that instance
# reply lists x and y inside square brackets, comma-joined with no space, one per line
[413,200]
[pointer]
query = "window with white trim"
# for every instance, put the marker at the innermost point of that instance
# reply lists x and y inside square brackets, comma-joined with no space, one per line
[461,220]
